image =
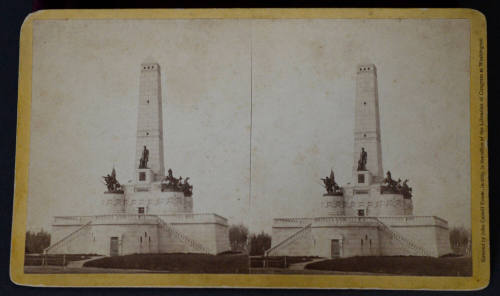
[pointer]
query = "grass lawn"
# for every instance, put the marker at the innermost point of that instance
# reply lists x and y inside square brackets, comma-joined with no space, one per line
[399,265]
[176,263]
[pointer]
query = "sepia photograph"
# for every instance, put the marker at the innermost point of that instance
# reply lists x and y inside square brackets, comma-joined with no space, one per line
[309,146]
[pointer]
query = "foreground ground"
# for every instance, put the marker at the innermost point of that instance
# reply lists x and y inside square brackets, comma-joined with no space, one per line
[231,263]
[176,263]
[52,269]
[57,260]
[398,265]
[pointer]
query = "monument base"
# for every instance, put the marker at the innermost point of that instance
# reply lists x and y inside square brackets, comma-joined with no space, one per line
[347,236]
[124,234]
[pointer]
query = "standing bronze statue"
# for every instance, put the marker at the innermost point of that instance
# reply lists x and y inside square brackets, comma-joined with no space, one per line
[362,160]
[143,162]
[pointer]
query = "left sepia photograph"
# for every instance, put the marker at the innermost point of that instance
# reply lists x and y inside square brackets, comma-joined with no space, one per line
[139,155]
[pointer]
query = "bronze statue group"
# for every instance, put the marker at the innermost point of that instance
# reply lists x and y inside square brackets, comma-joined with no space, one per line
[112,183]
[169,183]
[331,186]
[389,185]
[392,186]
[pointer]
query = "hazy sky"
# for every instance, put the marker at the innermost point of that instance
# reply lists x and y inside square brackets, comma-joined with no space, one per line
[85,98]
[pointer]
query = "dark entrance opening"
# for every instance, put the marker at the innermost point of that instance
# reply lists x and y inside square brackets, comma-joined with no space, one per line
[335,248]
[113,246]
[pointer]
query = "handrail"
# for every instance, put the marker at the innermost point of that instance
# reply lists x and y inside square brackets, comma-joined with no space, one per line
[405,240]
[66,237]
[289,239]
[194,244]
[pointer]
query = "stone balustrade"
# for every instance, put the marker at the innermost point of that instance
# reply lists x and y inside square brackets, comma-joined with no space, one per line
[106,219]
[194,218]
[414,220]
[140,218]
[347,220]
[344,220]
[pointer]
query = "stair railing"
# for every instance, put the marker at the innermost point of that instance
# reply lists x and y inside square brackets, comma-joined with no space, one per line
[410,244]
[191,242]
[67,237]
[289,239]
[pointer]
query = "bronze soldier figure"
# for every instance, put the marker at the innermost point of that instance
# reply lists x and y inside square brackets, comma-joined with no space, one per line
[362,160]
[143,162]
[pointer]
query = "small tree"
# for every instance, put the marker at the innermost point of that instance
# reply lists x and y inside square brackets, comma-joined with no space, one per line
[238,235]
[259,243]
[37,242]
[460,240]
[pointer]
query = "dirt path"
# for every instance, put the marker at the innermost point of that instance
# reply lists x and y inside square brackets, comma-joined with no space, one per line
[79,263]
[302,265]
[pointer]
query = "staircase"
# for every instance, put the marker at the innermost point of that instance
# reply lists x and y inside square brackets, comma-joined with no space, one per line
[410,245]
[194,245]
[300,233]
[68,238]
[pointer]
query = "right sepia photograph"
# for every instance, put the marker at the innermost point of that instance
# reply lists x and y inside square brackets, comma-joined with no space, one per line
[360,147]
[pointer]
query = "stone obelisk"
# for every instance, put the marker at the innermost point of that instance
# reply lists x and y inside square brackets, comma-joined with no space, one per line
[367,121]
[149,123]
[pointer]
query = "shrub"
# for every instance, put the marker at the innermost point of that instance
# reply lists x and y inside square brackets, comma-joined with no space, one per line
[238,235]
[37,242]
[259,243]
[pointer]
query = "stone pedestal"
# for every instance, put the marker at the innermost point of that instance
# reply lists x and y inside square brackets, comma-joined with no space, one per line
[144,176]
[332,205]
[407,207]
[391,204]
[362,178]
[111,203]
